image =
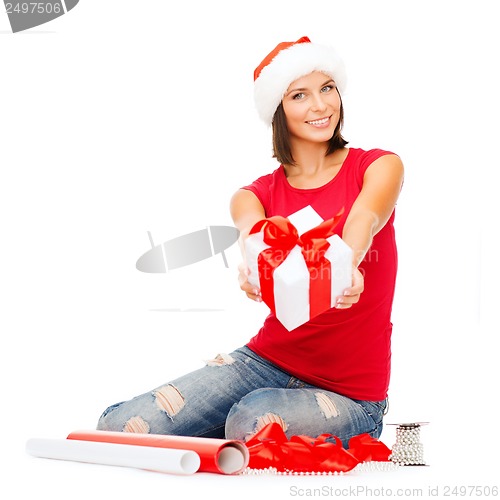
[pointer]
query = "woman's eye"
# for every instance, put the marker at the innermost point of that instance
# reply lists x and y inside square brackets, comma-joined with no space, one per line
[327,88]
[298,96]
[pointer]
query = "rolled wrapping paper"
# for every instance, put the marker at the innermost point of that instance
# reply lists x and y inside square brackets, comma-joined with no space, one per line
[222,456]
[173,461]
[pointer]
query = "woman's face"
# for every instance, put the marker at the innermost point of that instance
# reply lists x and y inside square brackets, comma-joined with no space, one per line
[312,108]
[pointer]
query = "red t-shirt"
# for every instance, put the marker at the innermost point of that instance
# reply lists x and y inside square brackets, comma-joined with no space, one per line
[346,351]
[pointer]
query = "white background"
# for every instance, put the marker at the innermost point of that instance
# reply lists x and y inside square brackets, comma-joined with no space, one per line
[125,117]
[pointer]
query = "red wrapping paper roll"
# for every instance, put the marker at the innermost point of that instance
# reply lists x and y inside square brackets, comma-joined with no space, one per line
[221,456]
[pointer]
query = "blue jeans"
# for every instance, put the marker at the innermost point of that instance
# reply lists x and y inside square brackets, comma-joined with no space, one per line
[235,395]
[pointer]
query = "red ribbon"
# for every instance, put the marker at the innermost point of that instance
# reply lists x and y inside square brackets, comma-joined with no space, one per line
[281,236]
[270,448]
[366,449]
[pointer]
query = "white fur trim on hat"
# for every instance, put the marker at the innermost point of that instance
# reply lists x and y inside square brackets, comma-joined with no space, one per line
[289,65]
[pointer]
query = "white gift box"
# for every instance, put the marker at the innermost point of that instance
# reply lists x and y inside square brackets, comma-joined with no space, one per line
[291,278]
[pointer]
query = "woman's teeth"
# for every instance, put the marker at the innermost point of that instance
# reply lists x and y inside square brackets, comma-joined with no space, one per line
[319,122]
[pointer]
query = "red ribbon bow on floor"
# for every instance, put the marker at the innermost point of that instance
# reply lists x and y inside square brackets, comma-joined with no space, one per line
[270,448]
[282,236]
[368,449]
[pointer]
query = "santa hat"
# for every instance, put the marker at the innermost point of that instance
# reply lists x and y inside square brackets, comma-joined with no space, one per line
[287,62]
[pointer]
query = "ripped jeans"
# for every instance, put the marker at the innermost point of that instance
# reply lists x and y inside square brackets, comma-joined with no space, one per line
[234,396]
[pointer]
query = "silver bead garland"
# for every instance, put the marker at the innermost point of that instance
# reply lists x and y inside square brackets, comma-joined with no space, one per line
[361,467]
[408,450]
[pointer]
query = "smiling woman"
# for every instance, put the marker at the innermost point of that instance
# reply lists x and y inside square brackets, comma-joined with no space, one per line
[331,374]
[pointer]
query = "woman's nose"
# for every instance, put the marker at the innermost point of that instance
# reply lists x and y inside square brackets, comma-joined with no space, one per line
[318,103]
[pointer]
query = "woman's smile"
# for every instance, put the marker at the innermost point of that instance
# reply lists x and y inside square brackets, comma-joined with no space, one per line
[321,122]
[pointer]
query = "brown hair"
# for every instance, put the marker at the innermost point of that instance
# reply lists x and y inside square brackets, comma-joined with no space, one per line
[282,150]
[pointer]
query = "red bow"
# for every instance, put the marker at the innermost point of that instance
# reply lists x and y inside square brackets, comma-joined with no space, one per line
[270,448]
[366,449]
[282,236]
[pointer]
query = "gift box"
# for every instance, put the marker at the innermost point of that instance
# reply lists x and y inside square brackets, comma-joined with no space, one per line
[299,264]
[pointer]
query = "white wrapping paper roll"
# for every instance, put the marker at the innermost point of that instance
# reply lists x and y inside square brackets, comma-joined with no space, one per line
[123,455]
[222,456]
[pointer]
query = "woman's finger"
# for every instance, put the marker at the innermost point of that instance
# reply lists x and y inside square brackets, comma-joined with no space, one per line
[251,291]
[352,294]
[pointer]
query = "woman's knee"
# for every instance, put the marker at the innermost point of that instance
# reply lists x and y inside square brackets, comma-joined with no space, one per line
[252,413]
[103,424]
[298,411]
[114,418]
[149,412]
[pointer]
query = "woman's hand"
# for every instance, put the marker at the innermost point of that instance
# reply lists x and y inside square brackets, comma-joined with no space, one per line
[246,210]
[351,295]
[251,291]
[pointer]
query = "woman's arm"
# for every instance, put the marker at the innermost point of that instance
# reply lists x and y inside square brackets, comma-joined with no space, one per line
[246,210]
[370,212]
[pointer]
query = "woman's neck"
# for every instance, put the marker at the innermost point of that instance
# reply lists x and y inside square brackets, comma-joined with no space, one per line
[310,158]
[312,168]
